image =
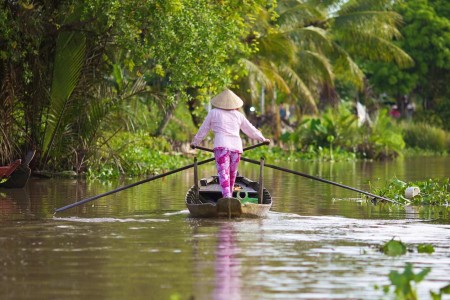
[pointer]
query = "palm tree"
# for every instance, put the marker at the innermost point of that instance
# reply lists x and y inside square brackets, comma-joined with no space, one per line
[270,70]
[314,42]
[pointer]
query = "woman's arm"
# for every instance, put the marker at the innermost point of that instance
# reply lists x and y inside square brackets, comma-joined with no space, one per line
[251,131]
[203,130]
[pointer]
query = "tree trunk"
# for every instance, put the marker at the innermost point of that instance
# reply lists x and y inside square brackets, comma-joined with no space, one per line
[276,118]
[328,97]
[192,105]
[167,117]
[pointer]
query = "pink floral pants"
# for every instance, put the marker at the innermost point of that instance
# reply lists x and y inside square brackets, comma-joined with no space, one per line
[227,163]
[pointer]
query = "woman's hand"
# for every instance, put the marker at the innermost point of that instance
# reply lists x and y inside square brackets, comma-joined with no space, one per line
[267,141]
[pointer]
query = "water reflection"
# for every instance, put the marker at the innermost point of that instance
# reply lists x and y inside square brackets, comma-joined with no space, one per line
[14,204]
[227,265]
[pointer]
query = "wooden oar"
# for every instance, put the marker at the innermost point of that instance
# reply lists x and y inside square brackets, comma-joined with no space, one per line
[320,179]
[308,176]
[132,185]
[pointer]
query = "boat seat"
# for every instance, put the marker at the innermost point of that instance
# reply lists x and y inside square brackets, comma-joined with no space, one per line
[6,171]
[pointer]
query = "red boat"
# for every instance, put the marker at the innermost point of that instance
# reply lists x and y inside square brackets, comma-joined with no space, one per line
[16,174]
[6,171]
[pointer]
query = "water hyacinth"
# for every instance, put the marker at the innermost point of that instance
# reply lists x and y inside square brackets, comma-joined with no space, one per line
[432,191]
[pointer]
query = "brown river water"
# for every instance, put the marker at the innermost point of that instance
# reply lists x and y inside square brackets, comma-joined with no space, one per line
[318,242]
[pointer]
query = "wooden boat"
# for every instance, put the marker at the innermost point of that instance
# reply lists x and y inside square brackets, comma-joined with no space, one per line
[6,171]
[250,198]
[16,174]
[205,201]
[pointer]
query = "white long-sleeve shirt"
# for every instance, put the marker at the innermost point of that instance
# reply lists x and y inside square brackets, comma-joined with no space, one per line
[226,125]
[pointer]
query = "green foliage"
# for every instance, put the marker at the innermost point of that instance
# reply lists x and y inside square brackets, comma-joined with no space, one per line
[426,137]
[426,38]
[390,78]
[183,42]
[181,127]
[442,110]
[69,60]
[405,282]
[338,129]
[432,191]
[334,127]
[270,154]
[442,291]
[394,248]
[135,154]
[307,45]
[425,248]
[92,57]
[429,117]
[74,73]
[382,139]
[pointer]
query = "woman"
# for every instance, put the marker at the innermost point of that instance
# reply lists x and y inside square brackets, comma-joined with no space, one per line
[225,120]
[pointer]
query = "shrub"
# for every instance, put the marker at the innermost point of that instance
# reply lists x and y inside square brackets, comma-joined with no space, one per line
[425,136]
[336,127]
[134,153]
[381,139]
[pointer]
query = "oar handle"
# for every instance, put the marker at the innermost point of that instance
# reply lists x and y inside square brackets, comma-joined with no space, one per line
[245,149]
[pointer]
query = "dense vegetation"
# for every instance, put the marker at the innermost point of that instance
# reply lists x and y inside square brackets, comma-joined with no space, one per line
[114,87]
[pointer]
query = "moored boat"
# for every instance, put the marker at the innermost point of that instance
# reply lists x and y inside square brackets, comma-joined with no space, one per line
[250,199]
[16,174]
[6,171]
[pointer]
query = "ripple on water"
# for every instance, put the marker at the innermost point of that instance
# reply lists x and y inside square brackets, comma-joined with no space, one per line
[108,220]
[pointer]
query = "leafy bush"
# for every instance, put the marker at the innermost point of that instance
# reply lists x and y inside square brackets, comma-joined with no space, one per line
[135,154]
[338,129]
[335,127]
[428,117]
[382,139]
[331,136]
[425,136]
[181,128]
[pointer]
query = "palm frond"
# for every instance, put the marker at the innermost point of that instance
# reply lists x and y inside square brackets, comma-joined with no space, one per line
[273,73]
[311,38]
[256,74]
[374,47]
[299,90]
[69,60]
[364,5]
[381,23]
[277,47]
[298,14]
[347,68]
[316,64]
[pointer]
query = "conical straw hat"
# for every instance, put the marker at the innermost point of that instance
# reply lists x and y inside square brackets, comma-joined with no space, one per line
[227,100]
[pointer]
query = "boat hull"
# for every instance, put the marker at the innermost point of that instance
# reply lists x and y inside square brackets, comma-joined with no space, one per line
[208,201]
[18,178]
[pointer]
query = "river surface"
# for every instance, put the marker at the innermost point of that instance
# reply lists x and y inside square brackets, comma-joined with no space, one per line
[318,242]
